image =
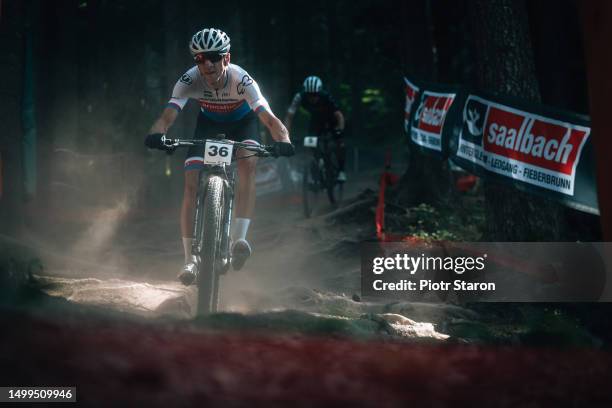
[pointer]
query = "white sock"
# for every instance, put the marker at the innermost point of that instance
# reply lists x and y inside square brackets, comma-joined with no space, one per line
[240,226]
[187,242]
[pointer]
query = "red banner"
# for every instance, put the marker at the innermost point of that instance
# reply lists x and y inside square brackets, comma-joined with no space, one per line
[429,119]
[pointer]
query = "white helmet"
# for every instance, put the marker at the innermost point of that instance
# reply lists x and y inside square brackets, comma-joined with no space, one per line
[313,84]
[209,40]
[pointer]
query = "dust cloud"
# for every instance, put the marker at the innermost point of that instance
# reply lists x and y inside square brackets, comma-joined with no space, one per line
[110,230]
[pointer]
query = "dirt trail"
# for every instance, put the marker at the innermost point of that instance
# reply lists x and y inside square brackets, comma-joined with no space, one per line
[132,262]
[119,328]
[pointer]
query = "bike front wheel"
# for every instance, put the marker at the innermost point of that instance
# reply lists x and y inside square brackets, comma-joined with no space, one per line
[210,238]
[332,186]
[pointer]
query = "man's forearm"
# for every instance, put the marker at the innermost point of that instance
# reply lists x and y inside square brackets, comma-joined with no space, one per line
[278,131]
[288,120]
[160,126]
[165,121]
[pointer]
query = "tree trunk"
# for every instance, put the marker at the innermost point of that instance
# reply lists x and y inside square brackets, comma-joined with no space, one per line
[356,79]
[427,179]
[505,63]
[11,93]
[597,19]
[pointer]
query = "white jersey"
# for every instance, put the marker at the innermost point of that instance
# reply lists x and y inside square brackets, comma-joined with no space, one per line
[239,95]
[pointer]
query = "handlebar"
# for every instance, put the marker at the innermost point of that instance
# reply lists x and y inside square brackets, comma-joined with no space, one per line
[259,150]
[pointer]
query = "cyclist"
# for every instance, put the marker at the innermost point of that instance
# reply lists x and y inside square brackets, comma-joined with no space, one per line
[230,103]
[325,115]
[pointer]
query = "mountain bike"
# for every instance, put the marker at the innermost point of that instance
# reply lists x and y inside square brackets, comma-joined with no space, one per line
[213,212]
[320,173]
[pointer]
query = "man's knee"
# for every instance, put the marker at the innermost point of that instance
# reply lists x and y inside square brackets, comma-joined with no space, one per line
[247,166]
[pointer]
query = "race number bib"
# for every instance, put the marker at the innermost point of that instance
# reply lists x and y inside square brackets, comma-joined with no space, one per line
[310,141]
[218,152]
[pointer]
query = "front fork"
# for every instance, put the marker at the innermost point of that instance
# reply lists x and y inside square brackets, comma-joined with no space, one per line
[228,207]
[196,246]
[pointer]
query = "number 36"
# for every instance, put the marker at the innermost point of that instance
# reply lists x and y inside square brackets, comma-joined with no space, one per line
[215,150]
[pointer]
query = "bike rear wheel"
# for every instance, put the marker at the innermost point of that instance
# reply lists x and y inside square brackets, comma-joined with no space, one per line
[210,238]
[311,185]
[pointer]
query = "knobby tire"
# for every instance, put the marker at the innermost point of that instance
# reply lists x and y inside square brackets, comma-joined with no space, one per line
[212,214]
[310,186]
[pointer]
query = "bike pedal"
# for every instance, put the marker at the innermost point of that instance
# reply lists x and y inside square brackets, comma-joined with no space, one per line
[189,274]
[223,266]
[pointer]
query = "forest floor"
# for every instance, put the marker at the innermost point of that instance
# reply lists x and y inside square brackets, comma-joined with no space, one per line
[104,313]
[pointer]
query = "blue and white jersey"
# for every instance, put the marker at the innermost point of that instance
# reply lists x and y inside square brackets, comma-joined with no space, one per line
[239,95]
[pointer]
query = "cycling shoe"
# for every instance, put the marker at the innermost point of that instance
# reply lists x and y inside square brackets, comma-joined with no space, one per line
[240,253]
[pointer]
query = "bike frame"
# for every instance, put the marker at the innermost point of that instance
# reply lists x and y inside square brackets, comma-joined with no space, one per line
[219,252]
[323,163]
[324,151]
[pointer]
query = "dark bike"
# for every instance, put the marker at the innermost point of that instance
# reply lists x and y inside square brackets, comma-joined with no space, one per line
[213,214]
[320,172]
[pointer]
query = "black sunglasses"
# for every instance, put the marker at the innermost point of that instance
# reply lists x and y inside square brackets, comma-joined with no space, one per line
[208,56]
